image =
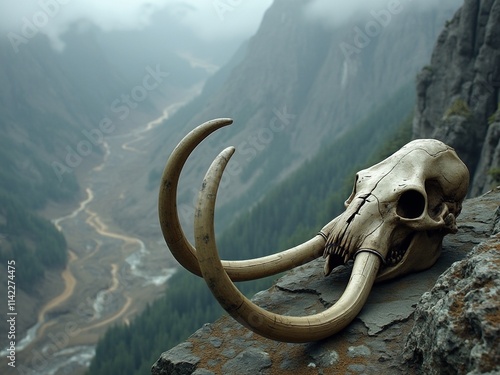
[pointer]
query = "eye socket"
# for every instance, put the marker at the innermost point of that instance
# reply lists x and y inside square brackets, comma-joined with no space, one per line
[411,205]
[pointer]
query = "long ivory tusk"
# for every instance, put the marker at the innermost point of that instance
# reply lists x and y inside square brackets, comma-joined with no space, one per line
[268,324]
[184,251]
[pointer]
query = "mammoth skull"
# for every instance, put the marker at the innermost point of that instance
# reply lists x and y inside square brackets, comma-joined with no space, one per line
[400,209]
[395,219]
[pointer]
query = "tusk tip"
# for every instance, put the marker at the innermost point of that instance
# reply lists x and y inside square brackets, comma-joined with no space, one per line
[225,120]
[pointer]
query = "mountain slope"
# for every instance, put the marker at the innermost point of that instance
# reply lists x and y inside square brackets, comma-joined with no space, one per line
[292,93]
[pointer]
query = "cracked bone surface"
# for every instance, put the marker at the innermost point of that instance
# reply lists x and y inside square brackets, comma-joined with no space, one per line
[395,219]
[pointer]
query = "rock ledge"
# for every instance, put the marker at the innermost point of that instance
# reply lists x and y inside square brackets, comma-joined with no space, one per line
[423,322]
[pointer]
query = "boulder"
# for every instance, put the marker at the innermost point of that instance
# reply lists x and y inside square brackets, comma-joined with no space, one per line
[457,323]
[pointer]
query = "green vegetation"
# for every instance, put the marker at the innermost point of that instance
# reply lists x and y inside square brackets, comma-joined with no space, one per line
[428,68]
[133,349]
[26,177]
[495,116]
[291,213]
[495,174]
[27,183]
[458,108]
[30,240]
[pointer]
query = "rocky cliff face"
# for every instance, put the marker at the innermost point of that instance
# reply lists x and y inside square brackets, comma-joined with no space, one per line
[458,93]
[453,330]
[460,315]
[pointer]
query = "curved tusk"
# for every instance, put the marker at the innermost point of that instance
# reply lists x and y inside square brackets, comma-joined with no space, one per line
[170,225]
[184,251]
[271,325]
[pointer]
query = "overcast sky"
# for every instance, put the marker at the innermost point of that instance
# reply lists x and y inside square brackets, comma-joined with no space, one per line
[335,12]
[212,19]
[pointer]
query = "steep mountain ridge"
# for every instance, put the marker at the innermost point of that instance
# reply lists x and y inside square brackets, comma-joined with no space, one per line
[293,92]
[458,92]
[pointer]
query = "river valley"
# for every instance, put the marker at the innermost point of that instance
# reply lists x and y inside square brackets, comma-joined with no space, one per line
[111,274]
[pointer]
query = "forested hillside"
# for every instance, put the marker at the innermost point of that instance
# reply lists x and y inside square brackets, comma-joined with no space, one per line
[41,119]
[291,213]
[27,183]
[32,242]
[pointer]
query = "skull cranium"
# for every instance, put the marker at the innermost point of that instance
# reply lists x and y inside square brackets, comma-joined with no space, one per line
[401,208]
[395,219]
